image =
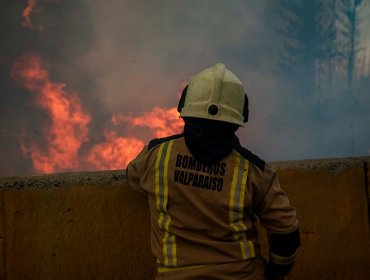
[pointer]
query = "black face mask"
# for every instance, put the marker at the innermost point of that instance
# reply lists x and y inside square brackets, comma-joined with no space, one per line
[210,141]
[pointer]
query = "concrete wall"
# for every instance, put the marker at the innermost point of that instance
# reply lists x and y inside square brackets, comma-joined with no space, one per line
[91,226]
[332,200]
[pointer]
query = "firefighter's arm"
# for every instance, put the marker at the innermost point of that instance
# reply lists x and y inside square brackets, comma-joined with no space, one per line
[283,250]
[134,172]
[278,216]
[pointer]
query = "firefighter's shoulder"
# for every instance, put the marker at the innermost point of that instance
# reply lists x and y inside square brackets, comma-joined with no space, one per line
[252,158]
[157,141]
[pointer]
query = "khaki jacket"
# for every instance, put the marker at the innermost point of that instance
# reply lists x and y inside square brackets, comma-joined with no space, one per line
[203,217]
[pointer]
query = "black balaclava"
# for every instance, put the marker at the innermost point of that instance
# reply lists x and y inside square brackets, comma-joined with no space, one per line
[209,141]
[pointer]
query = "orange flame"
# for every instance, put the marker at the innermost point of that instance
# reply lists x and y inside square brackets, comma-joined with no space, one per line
[26,22]
[115,153]
[161,121]
[68,128]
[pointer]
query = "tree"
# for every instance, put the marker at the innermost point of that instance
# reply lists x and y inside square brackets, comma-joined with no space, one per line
[349,22]
[308,31]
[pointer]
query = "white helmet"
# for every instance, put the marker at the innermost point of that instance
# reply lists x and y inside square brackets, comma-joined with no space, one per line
[216,94]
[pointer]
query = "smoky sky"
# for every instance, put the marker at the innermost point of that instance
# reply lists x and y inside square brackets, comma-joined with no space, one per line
[130,56]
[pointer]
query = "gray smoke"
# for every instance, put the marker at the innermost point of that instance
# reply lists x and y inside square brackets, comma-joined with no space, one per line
[129,56]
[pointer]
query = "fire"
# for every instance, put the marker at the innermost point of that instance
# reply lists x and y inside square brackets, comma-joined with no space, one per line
[26,22]
[115,153]
[68,130]
[161,121]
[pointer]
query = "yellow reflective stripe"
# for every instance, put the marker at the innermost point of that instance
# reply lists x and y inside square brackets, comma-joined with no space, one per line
[157,162]
[236,207]
[232,193]
[161,175]
[165,248]
[246,247]
[243,187]
[251,248]
[280,260]
[158,186]
[165,175]
[171,241]
[174,250]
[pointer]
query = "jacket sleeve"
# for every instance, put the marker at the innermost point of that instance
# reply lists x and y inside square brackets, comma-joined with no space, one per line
[278,216]
[134,172]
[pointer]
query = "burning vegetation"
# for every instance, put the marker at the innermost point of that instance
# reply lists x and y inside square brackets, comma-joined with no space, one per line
[69,129]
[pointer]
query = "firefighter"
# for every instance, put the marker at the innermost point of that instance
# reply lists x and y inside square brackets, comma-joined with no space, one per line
[206,191]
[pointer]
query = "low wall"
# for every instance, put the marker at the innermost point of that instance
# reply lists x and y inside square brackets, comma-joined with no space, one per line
[92,226]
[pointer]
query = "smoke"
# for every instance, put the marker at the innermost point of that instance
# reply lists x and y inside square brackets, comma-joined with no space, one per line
[68,128]
[120,64]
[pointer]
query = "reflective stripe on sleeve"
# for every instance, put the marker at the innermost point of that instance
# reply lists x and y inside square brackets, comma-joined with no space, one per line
[161,194]
[280,260]
[236,207]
